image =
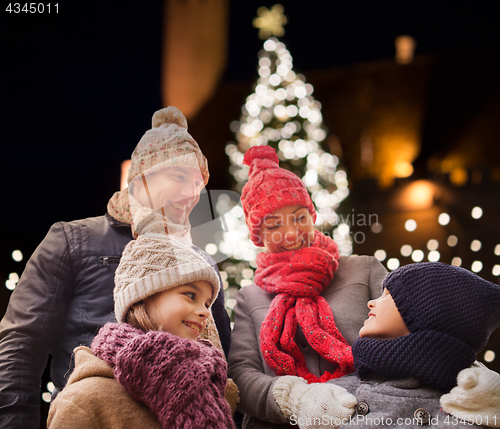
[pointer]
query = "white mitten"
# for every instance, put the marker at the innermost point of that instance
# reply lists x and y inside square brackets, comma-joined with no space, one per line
[476,398]
[313,406]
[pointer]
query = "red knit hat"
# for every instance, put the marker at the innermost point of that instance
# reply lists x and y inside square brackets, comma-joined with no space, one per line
[269,188]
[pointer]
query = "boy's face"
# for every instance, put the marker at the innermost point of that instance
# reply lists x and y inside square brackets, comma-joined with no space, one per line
[287,229]
[384,321]
[182,310]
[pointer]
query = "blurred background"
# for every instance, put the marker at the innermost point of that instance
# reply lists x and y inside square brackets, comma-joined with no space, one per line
[389,112]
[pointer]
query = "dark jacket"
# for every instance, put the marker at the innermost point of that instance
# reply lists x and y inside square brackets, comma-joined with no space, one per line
[62,299]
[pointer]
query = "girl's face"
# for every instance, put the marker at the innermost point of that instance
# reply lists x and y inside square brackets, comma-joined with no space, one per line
[384,321]
[182,310]
[287,229]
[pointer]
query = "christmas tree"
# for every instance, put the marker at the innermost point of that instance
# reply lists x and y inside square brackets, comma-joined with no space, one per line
[282,113]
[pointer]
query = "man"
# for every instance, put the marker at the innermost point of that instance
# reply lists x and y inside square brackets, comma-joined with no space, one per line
[66,291]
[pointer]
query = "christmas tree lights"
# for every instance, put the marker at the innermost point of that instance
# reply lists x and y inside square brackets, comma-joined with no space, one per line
[282,113]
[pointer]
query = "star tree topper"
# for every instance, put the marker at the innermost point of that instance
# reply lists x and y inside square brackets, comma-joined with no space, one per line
[270,22]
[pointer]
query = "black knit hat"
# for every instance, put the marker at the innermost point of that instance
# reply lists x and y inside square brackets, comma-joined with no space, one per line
[432,296]
[450,313]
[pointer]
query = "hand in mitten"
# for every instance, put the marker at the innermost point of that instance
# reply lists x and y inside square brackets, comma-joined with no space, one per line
[112,337]
[476,398]
[303,403]
[232,394]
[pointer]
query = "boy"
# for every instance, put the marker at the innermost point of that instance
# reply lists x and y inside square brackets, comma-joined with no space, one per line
[427,326]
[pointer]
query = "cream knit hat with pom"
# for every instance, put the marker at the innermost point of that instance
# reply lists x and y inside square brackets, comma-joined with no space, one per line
[153,264]
[168,140]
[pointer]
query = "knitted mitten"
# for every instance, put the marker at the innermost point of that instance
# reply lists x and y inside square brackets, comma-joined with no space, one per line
[181,381]
[304,402]
[111,338]
[232,394]
[476,398]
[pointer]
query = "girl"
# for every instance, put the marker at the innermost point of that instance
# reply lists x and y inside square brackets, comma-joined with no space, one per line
[307,304]
[428,324]
[150,372]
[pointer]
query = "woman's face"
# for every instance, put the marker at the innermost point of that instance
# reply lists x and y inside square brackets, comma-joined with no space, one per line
[182,310]
[384,320]
[287,229]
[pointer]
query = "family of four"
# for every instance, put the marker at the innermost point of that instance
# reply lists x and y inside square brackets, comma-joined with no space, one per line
[132,314]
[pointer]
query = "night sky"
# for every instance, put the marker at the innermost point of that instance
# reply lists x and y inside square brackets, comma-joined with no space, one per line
[79,87]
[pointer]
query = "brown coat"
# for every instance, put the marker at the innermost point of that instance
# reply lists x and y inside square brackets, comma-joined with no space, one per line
[93,399]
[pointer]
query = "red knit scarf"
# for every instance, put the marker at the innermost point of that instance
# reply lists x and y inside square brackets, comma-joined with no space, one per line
[298,278]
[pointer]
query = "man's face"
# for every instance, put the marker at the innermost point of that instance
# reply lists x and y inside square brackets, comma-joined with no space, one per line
[176,190]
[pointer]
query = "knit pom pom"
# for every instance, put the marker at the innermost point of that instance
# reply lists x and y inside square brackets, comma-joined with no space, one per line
[169,115]
[260,152]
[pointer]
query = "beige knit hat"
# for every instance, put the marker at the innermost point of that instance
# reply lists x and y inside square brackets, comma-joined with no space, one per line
[153,264]
[168,140]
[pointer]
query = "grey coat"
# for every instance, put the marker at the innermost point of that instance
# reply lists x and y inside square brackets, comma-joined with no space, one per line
[396,403]
[357,280]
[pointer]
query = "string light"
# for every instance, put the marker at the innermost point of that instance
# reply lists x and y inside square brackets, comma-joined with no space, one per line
[380,255]
[417,256]
[476,266]
[489,356]
[17,255]
[452,240]
[444,219]
[477,212]
[393,264]
[406,250]
[475,245]
[432,244]
[410,225]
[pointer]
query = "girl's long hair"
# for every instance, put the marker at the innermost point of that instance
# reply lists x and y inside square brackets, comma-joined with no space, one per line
[139,318]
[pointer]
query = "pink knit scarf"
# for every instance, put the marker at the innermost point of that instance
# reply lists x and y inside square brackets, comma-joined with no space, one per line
[298,278]
[181,381]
